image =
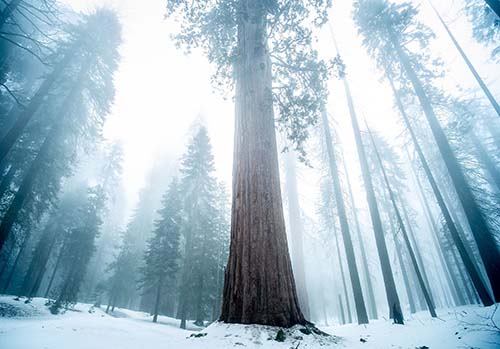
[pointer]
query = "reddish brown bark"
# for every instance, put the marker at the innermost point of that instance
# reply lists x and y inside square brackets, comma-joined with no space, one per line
[259,286]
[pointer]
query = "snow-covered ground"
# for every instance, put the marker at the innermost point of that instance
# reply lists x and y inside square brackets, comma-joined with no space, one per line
[31,326]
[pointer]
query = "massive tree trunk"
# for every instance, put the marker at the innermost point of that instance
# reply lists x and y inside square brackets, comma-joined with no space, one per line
[390,286]
[369,287]
[468,262]
[259,286]
[471,67]
[344,226]
[426,292]
[296,232]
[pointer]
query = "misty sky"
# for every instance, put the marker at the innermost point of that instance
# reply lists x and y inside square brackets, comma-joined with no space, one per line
[161,92]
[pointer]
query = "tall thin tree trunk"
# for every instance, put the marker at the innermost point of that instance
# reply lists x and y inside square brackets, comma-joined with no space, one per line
[296,232]
[41,158]
[16,261]
[488,247]
[427,295]
[259,286]
[407,276]
[404,273]
[466,258]
[416,246]
[344,226]
[486,160]
[36,101]
[342,275]
[54,272]
[183,314]
[157,299]
[445,262]
[41,269]
[390,286]
[7,11]
[342,314]
[494,5]
[7,180]
[467,61]
[371,295]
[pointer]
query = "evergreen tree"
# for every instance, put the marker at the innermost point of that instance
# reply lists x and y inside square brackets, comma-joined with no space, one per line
[79,247]
[485,23]
[254,44]
[200,264]
[386,29]
[78,117]
[161,260]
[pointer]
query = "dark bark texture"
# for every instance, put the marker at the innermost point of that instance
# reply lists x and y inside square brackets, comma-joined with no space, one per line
[259,287]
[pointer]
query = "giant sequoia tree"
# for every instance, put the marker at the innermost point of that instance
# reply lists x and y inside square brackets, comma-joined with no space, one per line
[263,46]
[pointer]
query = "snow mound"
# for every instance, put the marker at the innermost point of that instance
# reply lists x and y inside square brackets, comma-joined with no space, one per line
[18,307]
[222,335]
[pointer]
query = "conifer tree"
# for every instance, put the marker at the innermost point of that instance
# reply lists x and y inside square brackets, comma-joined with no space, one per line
[161,260]
[387,28]
[199,190]
[255,45]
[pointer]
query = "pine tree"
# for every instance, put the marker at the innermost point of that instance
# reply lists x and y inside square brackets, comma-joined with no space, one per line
[79,247]
[161,260]
[200,264]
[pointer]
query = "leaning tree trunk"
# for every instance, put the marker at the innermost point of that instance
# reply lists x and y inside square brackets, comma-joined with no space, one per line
[487,162]
[466,258]
[7,180]
[7,12]
[16,261]
[416,245]
[342,276]
[364,259]
[471,67]
[25,189]
[390,286]
[494,5]
[443,256]
[488,247]
[36,101]
[259,286]
[56,268]
[344,226]
[427,294]
[42,158]
[296,232]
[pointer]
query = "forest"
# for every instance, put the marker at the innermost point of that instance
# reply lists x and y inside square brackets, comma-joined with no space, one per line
[249,173]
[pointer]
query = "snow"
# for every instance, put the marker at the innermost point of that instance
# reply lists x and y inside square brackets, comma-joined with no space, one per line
[30,326]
